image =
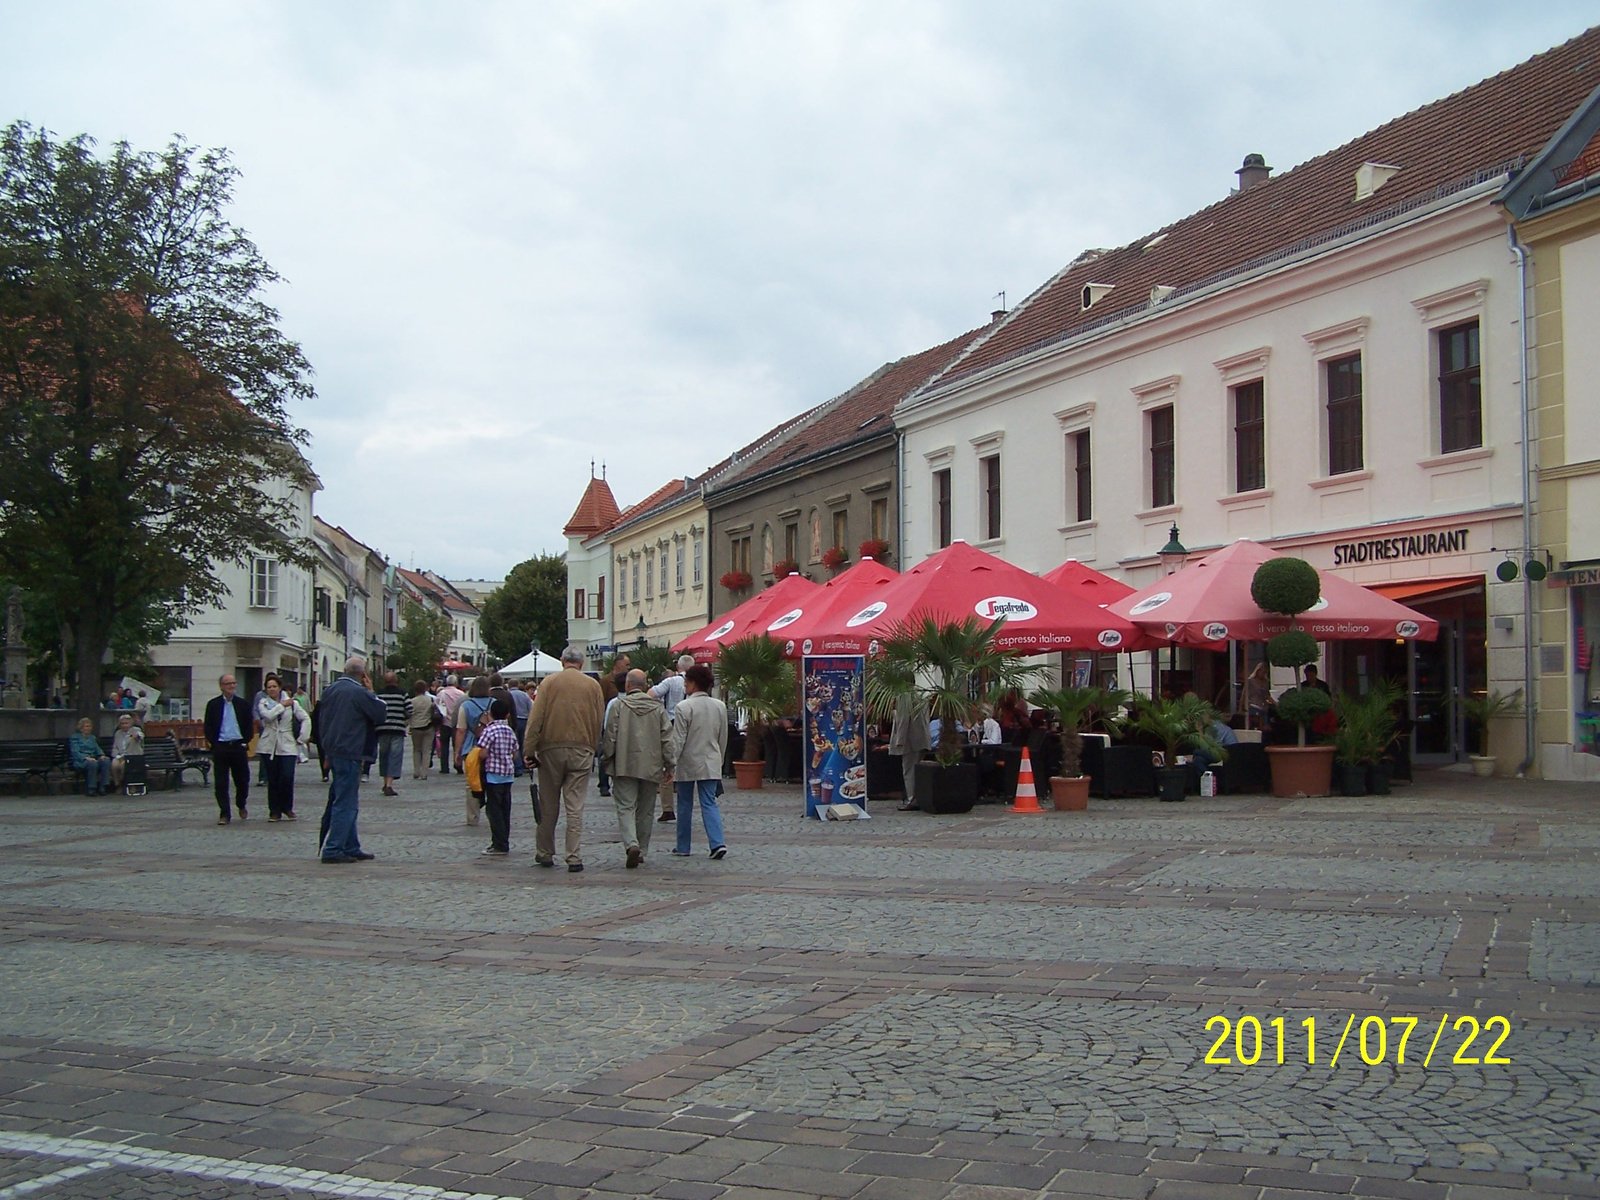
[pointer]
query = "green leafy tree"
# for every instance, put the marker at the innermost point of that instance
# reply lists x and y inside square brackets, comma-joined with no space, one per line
[420,645]
[144,384]
[531,603]
[762,682]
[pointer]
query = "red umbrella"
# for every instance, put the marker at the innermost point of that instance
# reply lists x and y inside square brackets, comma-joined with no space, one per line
[960,582]
[750,617]
[1087,583]
[803,628]
[1208,604]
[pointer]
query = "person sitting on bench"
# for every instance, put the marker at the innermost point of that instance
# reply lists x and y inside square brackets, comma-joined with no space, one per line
[127,743]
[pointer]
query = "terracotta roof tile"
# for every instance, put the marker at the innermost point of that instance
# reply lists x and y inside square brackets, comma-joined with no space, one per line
[1586,164]
[596,512]
[1489,127]
[862,412]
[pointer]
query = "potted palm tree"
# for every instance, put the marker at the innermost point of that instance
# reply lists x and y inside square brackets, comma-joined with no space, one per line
[1479,711]
[1183,723]
[955,670]
[1075,709]
[1367,727]
[1290,586]
[761,681]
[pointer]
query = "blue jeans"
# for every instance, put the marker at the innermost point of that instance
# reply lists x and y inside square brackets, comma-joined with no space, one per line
[344,803]
[709,812]
[96,774]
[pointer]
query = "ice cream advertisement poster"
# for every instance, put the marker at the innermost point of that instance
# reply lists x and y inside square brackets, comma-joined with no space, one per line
[834,731]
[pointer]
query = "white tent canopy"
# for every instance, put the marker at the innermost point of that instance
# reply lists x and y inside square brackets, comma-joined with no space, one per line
[538,665]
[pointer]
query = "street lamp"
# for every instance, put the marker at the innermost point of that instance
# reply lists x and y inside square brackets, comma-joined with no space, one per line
[639,631]
[1172,555]
[533,647]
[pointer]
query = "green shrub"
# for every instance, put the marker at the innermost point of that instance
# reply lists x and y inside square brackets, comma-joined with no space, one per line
[1303,705]
[1293,649]
[1285,585]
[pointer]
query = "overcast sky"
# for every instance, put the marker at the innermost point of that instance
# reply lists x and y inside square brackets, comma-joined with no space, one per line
[517,237]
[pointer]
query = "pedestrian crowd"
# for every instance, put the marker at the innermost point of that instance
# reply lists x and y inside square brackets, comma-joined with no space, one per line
[649,743]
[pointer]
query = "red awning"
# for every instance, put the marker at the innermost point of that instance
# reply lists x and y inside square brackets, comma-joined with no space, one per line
[1427,589]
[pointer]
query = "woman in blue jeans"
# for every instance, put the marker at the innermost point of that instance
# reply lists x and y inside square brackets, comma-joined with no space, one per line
[699,740]
[89,757]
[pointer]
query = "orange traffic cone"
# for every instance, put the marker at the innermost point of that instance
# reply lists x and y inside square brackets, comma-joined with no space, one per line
[1027,800]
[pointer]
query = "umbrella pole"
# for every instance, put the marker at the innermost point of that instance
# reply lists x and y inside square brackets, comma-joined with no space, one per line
[1233,677]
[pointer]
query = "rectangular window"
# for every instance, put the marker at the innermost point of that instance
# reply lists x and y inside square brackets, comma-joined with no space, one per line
[1249,437]
[580,605]
[699,561]
[941,506]
[879,520]
[1344,415]
[323,606]
[650,573]
[741,555]
[341,617]
[841,528]
[1460,389]
[600,599]
[1163,484]
[263,583]
[635,593]
[677,566]
[989,472]
[791,542]
[1083,475]
[662,578]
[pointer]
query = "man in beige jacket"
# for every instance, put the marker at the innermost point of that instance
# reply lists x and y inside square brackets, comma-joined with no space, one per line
[637,751]
[564,728]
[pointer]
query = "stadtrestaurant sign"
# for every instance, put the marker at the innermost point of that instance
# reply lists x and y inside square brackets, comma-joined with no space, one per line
[1415,545]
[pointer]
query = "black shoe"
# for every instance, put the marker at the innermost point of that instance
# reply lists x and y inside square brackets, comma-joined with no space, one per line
[243,816]
[363,856]
[605,791]
[337,858]
[544,862]
[574,868]
[720,852]
[635,857]
[910,808]
[665,817]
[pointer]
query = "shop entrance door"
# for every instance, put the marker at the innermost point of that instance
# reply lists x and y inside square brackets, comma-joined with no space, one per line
[1437,670]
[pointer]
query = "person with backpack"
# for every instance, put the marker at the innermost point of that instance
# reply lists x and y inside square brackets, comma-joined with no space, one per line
[471,714]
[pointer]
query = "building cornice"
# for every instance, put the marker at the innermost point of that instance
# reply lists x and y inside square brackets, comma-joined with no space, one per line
[838,455]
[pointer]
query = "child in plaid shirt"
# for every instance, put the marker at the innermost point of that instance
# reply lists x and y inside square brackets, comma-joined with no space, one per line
[500,750]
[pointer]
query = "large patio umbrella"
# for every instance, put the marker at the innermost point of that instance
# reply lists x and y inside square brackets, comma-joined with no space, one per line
[962,581]
[1208,604]
[752,616]
[803,628]
[1087,584]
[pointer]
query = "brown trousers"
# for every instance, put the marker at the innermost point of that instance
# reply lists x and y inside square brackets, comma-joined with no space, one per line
[563,783]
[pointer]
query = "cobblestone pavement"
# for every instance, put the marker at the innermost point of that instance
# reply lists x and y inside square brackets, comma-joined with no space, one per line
[980,1007]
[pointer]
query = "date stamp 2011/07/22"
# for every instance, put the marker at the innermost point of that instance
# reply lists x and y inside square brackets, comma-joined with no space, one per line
[1248,1041]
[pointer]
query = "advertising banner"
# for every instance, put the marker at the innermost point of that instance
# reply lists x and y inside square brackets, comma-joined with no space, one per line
[834,745]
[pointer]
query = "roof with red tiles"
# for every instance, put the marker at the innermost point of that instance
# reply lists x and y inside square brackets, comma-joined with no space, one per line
[1586,164]
[859,414]
[596,512]
[1472,136]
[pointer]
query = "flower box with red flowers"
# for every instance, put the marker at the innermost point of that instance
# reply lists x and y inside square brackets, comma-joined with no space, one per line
[875,548]
[835,557]
[736,580]
[785,568]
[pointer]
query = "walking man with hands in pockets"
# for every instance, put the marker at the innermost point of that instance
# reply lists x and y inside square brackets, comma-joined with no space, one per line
[564,728]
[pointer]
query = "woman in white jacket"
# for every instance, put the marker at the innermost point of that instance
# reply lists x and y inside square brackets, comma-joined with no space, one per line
[284,728]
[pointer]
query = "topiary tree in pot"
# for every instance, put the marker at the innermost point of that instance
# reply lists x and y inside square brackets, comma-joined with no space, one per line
[762,682]
[1183,723]
[1075,709]
[1289,587]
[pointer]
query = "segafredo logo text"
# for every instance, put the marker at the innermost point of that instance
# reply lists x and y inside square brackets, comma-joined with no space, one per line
[1149,603]
[788,619]
[1110,638]
[870,613]
[1216,631]
[805,646]
[1009,607]
[720,631]
[1407,629]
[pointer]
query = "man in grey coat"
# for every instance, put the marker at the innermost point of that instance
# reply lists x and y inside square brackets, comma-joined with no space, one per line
[636,749]
[699,741]
[910,737]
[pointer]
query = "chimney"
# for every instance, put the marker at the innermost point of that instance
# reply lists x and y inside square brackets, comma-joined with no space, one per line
[996,315]
[1254,171]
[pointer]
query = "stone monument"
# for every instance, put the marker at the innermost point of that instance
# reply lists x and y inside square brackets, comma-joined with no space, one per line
[16,688]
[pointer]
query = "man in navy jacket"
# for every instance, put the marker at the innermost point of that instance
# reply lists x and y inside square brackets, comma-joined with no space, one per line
[229,725]
[348,724]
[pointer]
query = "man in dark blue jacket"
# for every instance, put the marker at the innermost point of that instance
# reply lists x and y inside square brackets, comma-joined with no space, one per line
[348,725]
[229,725]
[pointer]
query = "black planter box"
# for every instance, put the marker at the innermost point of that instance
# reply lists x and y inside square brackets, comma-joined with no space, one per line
[884,780]
[1171,783]
[1352,778]
[947,789]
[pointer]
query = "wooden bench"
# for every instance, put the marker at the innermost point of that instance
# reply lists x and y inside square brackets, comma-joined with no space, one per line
[27,759]
[163,754]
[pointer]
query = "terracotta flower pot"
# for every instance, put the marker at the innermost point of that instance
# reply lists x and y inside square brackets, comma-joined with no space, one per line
[748,774]
[1070,793]
[1301,770]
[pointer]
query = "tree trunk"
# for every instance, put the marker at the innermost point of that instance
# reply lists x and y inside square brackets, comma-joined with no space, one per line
[89,642]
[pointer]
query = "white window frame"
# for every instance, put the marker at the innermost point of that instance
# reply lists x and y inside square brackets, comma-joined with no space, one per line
[264,583]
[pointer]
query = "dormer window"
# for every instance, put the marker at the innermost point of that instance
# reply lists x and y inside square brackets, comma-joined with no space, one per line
[1093,293]
[1371,176]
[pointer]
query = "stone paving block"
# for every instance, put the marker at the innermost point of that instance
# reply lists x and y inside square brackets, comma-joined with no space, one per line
[677,1189]
[767,1174]
[906,1166]
[890,1188]
[1099,1183]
